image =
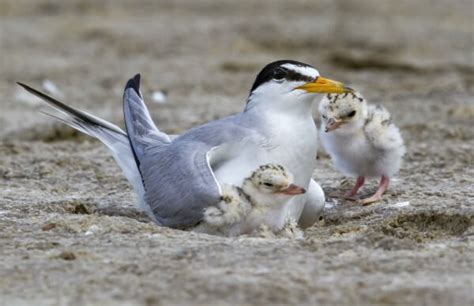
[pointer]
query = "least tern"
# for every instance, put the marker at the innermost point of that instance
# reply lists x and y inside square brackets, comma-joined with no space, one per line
[177,178]
[361,140]
[259,202]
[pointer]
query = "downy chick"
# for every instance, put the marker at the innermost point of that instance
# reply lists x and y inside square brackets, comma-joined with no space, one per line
[260,202]
[361,140]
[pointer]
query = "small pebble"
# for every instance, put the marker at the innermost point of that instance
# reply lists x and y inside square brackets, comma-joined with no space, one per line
[67,255]
[400,204]
[48,226]
[93,229]
[159,97]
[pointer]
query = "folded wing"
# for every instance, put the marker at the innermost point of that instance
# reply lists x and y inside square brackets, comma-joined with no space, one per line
[380,130]
[177,177]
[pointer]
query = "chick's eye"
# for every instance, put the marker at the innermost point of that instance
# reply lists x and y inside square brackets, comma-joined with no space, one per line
[324,117]
[279,74]
[268,184]
[351,114]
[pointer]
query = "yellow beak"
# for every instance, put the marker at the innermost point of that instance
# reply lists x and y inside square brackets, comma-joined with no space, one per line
[323,85]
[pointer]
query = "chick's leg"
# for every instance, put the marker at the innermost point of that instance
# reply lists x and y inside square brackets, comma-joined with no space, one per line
[351,195]
[377,196]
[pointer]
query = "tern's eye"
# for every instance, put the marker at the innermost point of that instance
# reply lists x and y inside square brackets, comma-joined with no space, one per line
[351,114]
[324,117]
[268,184]
[279,74]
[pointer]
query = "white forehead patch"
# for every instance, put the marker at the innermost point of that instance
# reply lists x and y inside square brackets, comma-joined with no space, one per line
[303,70]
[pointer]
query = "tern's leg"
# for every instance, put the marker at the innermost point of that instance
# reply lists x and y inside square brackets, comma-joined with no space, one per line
[377,196]
[313,206]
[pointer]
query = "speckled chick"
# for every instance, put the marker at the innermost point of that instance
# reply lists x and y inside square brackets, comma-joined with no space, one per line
[361,140]
[260,202]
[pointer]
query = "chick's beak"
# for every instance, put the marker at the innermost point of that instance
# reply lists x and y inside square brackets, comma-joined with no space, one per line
[293,190]
[323,85]
[332,124]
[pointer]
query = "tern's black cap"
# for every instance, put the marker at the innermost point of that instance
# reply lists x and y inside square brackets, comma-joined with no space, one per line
[276,70]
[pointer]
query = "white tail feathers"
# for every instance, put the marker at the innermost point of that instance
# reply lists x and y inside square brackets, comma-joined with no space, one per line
[109,134]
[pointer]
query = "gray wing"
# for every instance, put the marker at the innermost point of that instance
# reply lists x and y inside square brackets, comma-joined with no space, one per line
[179,182]
[177,177]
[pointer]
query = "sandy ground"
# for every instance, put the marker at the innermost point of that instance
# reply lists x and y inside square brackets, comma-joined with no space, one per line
[69,232]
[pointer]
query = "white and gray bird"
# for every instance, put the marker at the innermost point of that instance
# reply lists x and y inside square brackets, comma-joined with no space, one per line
[177,177]
[259,203]
[361,140]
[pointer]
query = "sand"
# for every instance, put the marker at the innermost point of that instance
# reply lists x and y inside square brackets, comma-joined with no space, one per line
[69,230]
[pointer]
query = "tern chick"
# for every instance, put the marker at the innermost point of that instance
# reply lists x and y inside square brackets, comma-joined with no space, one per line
[361,140]
[259,203]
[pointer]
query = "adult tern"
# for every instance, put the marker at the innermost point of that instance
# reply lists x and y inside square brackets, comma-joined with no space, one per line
[176,178]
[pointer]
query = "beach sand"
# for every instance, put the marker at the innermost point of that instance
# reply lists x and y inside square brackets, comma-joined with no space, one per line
[70,233]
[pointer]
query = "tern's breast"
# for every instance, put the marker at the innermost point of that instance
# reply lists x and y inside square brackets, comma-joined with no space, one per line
[290,143]
[294,144]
